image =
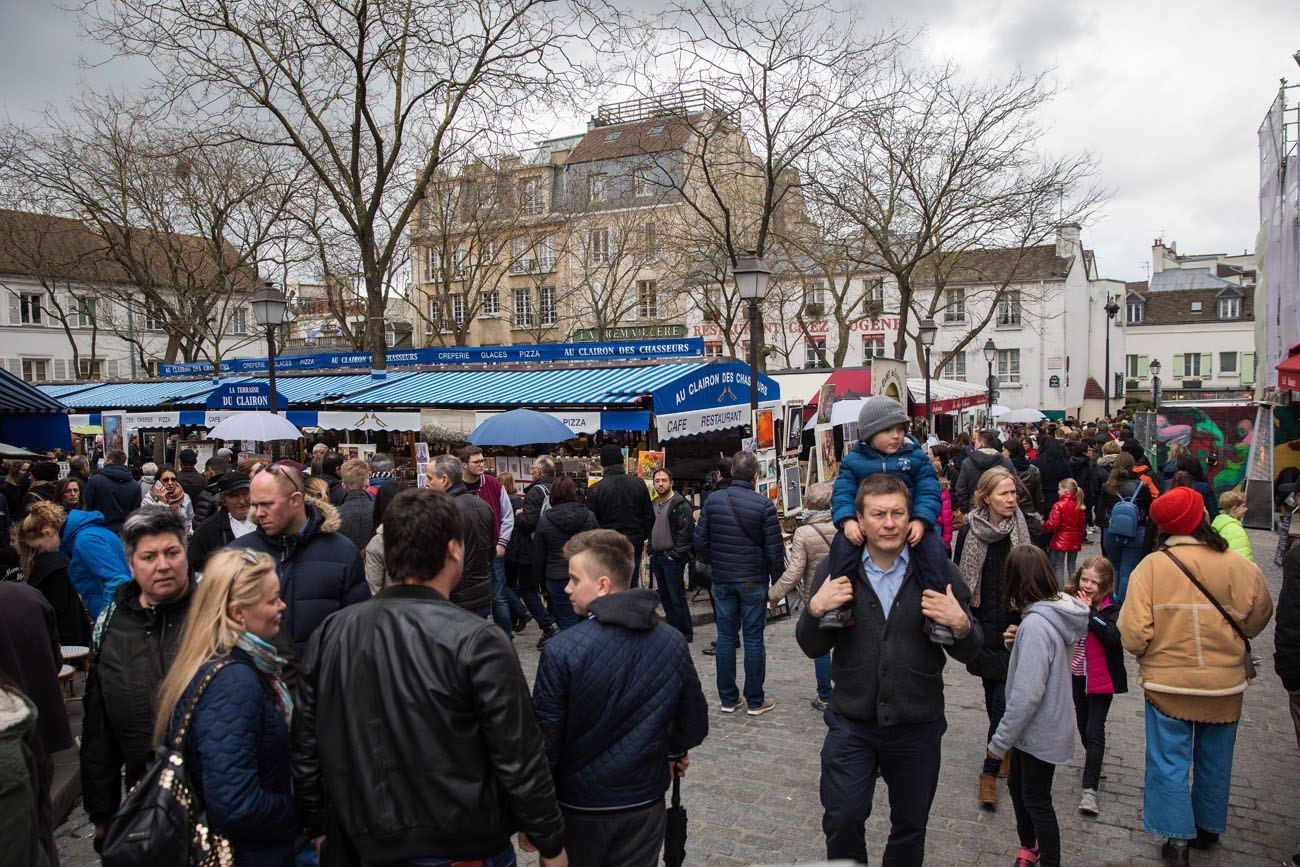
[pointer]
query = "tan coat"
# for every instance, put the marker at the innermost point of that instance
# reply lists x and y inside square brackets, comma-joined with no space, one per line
[1190,660]
[808,547]
[376,575]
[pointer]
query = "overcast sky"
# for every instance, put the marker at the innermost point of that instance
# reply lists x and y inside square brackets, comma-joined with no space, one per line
[1168,95]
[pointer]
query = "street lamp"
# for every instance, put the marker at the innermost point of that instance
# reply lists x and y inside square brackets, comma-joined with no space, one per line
[751,275]
[1111,309]
[269,306]
[926,332]
[1154,367]
[990,353]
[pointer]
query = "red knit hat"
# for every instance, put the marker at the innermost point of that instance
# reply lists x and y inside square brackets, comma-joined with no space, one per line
[1178,511]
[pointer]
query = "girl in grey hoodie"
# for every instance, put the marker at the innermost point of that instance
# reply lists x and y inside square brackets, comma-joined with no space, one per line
[1037,725]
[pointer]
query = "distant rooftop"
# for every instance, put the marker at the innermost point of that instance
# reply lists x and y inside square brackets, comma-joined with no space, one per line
[682,103]
[1185,279]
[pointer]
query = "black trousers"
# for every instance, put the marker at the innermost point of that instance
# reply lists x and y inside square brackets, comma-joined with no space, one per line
[854,753]
[995,704]
[1031,796]
[1090,713]
[624,838]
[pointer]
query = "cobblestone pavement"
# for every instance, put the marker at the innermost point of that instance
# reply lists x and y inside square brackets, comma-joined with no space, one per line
[751,792]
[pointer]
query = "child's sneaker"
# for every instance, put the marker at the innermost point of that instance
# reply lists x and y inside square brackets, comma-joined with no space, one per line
[838,618]
[1088,803]
[938,633]
[1026,857]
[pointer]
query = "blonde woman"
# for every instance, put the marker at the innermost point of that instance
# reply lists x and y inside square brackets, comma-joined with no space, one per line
[237,745]
[808,547]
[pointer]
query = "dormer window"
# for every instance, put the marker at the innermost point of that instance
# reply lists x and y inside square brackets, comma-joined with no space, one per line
[1229,308]
[657,129]
[1136,311]
[613,136]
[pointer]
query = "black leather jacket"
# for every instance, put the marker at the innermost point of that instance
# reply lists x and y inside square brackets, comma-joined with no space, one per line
[414,731]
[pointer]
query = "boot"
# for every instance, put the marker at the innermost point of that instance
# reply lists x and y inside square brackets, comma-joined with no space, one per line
[547,635]
[1004,769]
[988,791]
[1204,839]
[1175,852]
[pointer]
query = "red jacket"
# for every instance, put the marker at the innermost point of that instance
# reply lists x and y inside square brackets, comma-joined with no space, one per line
[1067,523]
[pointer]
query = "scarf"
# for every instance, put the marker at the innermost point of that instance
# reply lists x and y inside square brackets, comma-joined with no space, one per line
[983,533]
[269,665]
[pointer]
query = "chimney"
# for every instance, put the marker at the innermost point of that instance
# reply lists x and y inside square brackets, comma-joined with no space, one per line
[1067,240]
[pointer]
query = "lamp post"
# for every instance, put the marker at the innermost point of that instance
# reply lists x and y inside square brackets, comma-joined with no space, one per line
[751,276]
[1111,309]
[269,305]
[1154,367]
[926,332]
[990,353]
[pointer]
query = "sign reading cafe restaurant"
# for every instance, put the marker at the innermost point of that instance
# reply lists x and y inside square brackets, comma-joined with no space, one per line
[716,398]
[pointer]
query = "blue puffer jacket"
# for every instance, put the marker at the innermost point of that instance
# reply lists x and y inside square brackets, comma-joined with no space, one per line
[320,572]
[909,463]
[237,750]
[96,559]
[615,696]
[739,554]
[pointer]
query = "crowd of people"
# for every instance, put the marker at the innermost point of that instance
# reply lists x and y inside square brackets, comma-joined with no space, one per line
[330,650]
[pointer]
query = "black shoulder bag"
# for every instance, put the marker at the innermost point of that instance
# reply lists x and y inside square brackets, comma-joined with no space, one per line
[158,823]
[1249,665]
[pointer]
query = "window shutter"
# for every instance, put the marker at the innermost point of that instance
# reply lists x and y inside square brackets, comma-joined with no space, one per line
[112,368]
[15,316]
[1144,366]
[1207,365]
[1246,363]
[61,369]
[1177,372]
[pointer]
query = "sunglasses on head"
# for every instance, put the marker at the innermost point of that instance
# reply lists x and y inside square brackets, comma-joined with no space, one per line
[290,473]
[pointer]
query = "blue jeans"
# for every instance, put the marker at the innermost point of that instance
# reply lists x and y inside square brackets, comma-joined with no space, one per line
[504,858]
[1124,554]
[822,668]
[1176,749]
[668,574]
[741,606]
[561,604]
[502,610]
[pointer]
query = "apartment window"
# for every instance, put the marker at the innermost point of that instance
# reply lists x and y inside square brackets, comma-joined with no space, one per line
[36,369]
[1228,363]
[433,264]
[90,368]
[546,305]
[546,253]
[873,296]
[458,308]
[641,181]
[873,346]
[435,314]
[531,199]
[1229,308]
[523,308]
[488,253]
[153,319]
[816,294]
[491,303]
[598,246]
[1197,306]
[1131,366]
[1136,309]
[812,357]
[713,297]
[460,258]
[596,186]
[1192,365]
[1008,366]
[954,309]
[521,258]
[30,309]
[651,238]
[955,368]
[657,129]
[85,312]
[1009,308]
[647,300]
[239,322]
[712,349]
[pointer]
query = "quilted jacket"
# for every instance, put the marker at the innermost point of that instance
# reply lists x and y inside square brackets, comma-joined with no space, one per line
[909,463]
[237,750]
[320,572]
[750,551]
[615,696]
[1067,523]
[113,492]
[561,523]
[96,559]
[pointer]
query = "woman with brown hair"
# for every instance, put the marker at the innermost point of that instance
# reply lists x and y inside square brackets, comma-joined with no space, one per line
[1123,540]
[69,495]
[565,519]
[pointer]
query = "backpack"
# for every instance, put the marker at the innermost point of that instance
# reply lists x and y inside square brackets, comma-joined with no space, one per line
[1125,519]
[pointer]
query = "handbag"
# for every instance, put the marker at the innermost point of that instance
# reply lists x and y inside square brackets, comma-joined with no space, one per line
[1249,665]
[158,823]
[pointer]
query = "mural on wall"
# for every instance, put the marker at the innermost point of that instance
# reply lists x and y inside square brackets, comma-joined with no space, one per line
[1286,442]
[1219,436]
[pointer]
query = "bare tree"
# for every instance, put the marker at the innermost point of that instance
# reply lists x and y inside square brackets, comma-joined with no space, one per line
[609,267]
[375,97]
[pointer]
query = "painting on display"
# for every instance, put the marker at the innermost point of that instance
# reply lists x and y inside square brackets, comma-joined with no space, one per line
[765,429]
[791,490]
[793,427]
[828,464]
[648,463]
[825,397]
[114,430]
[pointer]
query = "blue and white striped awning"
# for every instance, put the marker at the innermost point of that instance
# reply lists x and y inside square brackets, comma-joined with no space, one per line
[133,395]
[314,389]
[530,388]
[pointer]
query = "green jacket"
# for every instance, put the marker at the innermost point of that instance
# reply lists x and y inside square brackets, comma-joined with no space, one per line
[1234,534]
[19,826]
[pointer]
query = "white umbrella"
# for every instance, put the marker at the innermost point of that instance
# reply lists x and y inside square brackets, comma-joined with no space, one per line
[259,426]
[1021,416]
[846,411]
[998,409]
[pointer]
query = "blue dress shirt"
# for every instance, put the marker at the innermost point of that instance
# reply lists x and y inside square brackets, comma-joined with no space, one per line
[886,581]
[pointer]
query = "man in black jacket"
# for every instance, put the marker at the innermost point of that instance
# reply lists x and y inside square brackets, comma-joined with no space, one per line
[192,481]
[886,714]
[621,502]
[1286,635]
[135,642]
[413,723]
[619,704]
[478,533]
[113,491]
[670,550]
[229,522]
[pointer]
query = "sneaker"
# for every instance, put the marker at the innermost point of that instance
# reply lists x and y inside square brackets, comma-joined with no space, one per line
[768,704]
[840,618]
[818,704]
[1026,857]
[732,708]
[1175,852]
[1088,803]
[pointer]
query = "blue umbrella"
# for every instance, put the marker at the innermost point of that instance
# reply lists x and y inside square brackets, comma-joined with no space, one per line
[520,427]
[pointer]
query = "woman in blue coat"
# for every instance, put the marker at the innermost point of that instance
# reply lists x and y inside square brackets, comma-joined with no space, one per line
[237,745]
[96,558]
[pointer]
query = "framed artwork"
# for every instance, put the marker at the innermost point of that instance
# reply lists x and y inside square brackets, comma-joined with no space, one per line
[793,426]
[749,444]
[421,453]
[764,422]
[825,397]
[648,463]
[791,488]
[114,431]
[828,464]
